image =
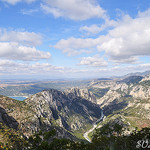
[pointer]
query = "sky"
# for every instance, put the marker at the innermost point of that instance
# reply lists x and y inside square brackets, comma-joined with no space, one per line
[56,39]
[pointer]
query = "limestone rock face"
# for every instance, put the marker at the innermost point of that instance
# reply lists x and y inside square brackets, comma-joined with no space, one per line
[146,78]
[115,92]
[52,106]
[127,98]
[108,98]
[84,93]
[140,91]
[68,111]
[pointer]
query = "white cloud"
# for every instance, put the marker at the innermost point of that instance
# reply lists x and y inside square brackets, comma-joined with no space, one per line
[130,60]
[27,68]
[28,38]
[123,70]
[129,39]
[74,46]
[74,9]
[95,29]
[8,67]
[125,43]
[16,45]
[144,14]
[13,2]
[14,51]
[95,61]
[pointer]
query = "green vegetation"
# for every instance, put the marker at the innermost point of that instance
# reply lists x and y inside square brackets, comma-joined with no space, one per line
[132,79]
[108,137]
[98,92]
[115,137]
[145,83]
[15,140]
[30,88]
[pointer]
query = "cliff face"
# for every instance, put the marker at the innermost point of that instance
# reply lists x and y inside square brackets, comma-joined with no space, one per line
[66,111]
[136,87]
[128,99]
[84,93]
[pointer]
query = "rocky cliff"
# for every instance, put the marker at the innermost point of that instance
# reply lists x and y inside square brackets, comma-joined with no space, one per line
[83,93]
[128,99]
[70,112]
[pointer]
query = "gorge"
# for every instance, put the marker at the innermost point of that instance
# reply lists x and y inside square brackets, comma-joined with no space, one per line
[75,113]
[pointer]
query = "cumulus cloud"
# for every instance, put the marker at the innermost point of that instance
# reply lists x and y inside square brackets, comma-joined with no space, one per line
[28,38]
[14,51]
[48,70]
[129,39]
[125,43]
[16,45]
[38,69]
[74,46]
[95,61]
[74,9]
[95,29]
[27,68]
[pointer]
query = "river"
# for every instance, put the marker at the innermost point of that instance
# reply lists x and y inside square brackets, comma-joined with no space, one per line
[92,129]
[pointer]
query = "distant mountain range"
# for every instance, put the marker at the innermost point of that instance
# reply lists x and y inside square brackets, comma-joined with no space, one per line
[137,74]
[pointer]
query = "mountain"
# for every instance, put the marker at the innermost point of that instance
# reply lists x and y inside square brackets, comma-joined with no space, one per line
[70,113]
[136,74]
[84,93]
[75,111]
[132,79]
[127,99]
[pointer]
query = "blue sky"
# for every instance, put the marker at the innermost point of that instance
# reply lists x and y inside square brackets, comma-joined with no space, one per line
[73,38]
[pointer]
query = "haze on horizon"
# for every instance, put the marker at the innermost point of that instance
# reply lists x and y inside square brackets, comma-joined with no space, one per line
[73,39]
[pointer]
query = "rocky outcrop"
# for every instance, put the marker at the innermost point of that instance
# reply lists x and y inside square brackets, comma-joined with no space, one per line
[83,93]
[128,98]
[115,92]
[146,78]
[65,111]
[68,110]
[141,92]
[8,120]
[103,84]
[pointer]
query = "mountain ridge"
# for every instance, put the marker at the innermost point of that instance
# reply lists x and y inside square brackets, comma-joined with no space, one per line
[67,112]
[73,111]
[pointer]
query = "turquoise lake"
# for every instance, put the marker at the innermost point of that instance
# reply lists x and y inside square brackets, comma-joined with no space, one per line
[20,98]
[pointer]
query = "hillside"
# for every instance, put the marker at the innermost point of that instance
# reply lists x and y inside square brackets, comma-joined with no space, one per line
[75,111]
[71,114]
[127,99]
[28,88]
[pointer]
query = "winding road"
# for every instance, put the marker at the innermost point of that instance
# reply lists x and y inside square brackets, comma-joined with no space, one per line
[94,126]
